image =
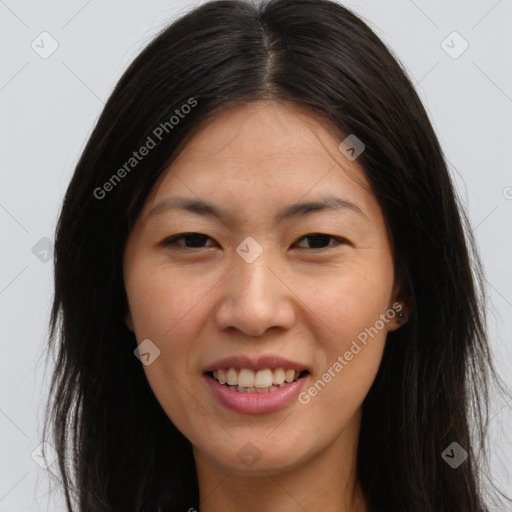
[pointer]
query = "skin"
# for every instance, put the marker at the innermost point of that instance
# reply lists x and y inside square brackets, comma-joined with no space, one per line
[203,303]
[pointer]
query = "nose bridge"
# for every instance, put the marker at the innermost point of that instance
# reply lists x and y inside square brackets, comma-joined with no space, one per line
[255,278]
[254,283]
[254,299]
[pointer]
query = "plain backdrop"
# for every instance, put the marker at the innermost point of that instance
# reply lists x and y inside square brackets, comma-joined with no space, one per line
[60,61]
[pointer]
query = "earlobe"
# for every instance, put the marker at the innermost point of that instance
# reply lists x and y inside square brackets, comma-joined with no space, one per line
[128,321]
[399,318]
[400,306]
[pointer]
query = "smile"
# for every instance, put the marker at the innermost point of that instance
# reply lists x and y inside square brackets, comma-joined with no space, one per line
[246,380]
[255,392]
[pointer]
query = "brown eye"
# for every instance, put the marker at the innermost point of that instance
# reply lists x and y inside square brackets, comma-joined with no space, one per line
[192,240]
[320,240]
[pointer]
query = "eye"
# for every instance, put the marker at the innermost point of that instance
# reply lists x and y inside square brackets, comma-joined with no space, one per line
[196,240]
[321,239]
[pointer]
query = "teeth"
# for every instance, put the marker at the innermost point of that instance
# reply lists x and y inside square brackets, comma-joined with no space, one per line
[278,376]
[289,375]
[232,377]
[263,379]
[221,376]
[254,390]
[241,388]
[247,380]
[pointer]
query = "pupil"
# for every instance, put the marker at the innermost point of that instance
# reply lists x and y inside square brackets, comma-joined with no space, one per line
[197,238]
[322,238]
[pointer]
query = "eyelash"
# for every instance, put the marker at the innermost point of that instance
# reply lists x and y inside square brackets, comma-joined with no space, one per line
[172,241]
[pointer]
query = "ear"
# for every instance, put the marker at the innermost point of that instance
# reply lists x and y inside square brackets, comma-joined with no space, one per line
[128,321]
[400,305]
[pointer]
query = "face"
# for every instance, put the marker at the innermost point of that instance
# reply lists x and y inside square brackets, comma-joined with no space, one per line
[251,289]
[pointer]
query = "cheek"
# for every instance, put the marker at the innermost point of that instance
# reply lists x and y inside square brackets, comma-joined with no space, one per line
[160,299]
[353,332]
[163,310]
[352,298]
[165,307]
[349,356]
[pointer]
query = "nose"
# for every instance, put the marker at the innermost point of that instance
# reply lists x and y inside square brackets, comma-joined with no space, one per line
[255,297]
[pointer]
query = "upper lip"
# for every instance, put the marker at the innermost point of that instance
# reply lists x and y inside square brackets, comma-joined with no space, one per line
[255,364]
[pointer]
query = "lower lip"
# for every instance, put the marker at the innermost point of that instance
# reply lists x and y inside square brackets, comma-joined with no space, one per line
[255,403]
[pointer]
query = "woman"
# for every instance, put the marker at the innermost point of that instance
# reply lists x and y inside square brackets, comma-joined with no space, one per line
[211,358]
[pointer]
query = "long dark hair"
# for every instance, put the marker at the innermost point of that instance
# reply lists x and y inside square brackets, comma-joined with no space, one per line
[432,387]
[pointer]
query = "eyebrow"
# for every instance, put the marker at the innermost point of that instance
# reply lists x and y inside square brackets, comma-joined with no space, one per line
[199,207]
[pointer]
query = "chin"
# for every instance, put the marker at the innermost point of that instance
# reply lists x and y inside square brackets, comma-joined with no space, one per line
[256,457]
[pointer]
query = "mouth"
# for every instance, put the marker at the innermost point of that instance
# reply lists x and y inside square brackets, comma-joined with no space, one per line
[245,380]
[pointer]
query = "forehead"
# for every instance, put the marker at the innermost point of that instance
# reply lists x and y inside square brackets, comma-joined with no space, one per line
[245,127]
[263,154]
[261,131]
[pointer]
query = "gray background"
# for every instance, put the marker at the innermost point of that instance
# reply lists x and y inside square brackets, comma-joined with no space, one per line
[49,106]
